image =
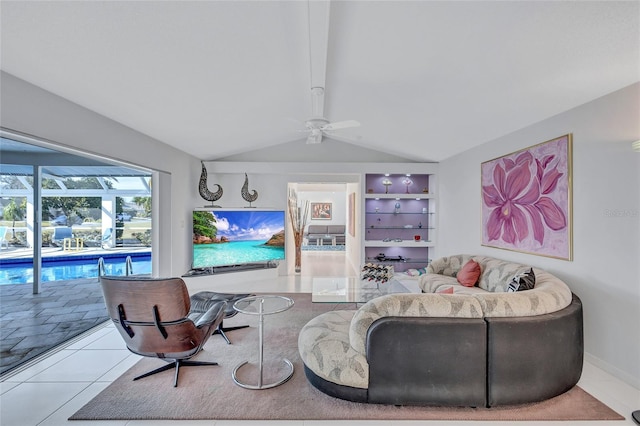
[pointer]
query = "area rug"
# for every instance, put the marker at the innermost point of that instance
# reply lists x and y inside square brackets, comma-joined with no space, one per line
[209,393]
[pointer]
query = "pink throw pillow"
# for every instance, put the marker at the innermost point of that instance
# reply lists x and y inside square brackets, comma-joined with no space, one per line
[446,291]
[469,274]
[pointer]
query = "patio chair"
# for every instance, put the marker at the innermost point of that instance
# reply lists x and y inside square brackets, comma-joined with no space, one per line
[154,318]
[60,233]
[106,238]
[3,237]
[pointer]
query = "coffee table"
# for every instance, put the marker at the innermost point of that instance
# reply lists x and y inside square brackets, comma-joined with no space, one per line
[352,289]
[261,306]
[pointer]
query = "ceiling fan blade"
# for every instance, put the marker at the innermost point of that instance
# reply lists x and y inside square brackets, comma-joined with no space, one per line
[356,140]
[340,125]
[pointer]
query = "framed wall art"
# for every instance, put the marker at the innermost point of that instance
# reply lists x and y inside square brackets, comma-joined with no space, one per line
[527,200]
[320,211]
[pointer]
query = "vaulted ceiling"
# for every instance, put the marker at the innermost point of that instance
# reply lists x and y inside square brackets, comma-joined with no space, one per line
[425,79]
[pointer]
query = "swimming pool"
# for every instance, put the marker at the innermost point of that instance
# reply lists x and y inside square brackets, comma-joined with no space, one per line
[20,271]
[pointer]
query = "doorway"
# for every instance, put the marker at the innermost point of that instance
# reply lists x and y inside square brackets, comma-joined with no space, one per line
[329,205]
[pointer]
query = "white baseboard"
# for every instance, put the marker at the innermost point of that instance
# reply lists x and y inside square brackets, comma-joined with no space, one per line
[613,370]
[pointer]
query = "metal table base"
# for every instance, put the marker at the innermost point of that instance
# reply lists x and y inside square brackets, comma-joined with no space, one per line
[261,384]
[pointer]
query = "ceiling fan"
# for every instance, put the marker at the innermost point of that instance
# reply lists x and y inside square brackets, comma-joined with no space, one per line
[318,125]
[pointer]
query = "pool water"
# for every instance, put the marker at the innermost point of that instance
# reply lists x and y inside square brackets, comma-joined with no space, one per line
[68,269]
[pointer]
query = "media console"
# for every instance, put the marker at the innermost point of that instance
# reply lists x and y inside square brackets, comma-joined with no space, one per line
[212,270]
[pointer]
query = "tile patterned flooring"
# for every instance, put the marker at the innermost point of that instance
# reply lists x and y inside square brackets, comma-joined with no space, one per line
[48,392]
[31,324]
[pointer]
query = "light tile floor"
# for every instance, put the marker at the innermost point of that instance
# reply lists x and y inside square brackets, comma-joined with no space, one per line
[49,391]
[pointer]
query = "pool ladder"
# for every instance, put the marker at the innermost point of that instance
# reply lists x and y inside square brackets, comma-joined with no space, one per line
[101,267]
[128,266]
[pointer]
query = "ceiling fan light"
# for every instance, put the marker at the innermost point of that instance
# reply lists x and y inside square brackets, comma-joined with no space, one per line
[314,137]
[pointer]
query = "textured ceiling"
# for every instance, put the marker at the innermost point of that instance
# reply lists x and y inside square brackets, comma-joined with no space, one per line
[426,80]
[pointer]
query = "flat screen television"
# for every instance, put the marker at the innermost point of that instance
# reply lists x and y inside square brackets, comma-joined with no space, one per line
[237,237]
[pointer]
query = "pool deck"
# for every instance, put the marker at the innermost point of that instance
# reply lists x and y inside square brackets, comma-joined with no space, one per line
[31,324]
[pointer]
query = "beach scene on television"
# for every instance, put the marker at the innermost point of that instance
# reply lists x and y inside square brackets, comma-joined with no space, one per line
[237,237]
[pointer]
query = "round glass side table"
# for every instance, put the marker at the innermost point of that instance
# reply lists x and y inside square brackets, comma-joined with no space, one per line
[261,306]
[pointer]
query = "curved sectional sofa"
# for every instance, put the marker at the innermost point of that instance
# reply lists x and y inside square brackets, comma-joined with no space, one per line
[472,346]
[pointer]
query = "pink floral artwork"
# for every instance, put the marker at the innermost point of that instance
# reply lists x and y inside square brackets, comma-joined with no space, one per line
[526,200]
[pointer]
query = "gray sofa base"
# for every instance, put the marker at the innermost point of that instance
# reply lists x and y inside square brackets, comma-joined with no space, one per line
[427,361]
[469,362]
[530,359]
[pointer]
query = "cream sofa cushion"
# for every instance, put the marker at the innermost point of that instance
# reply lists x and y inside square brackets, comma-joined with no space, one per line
[549,295]
[431,283]
[324,348]
[495,276]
